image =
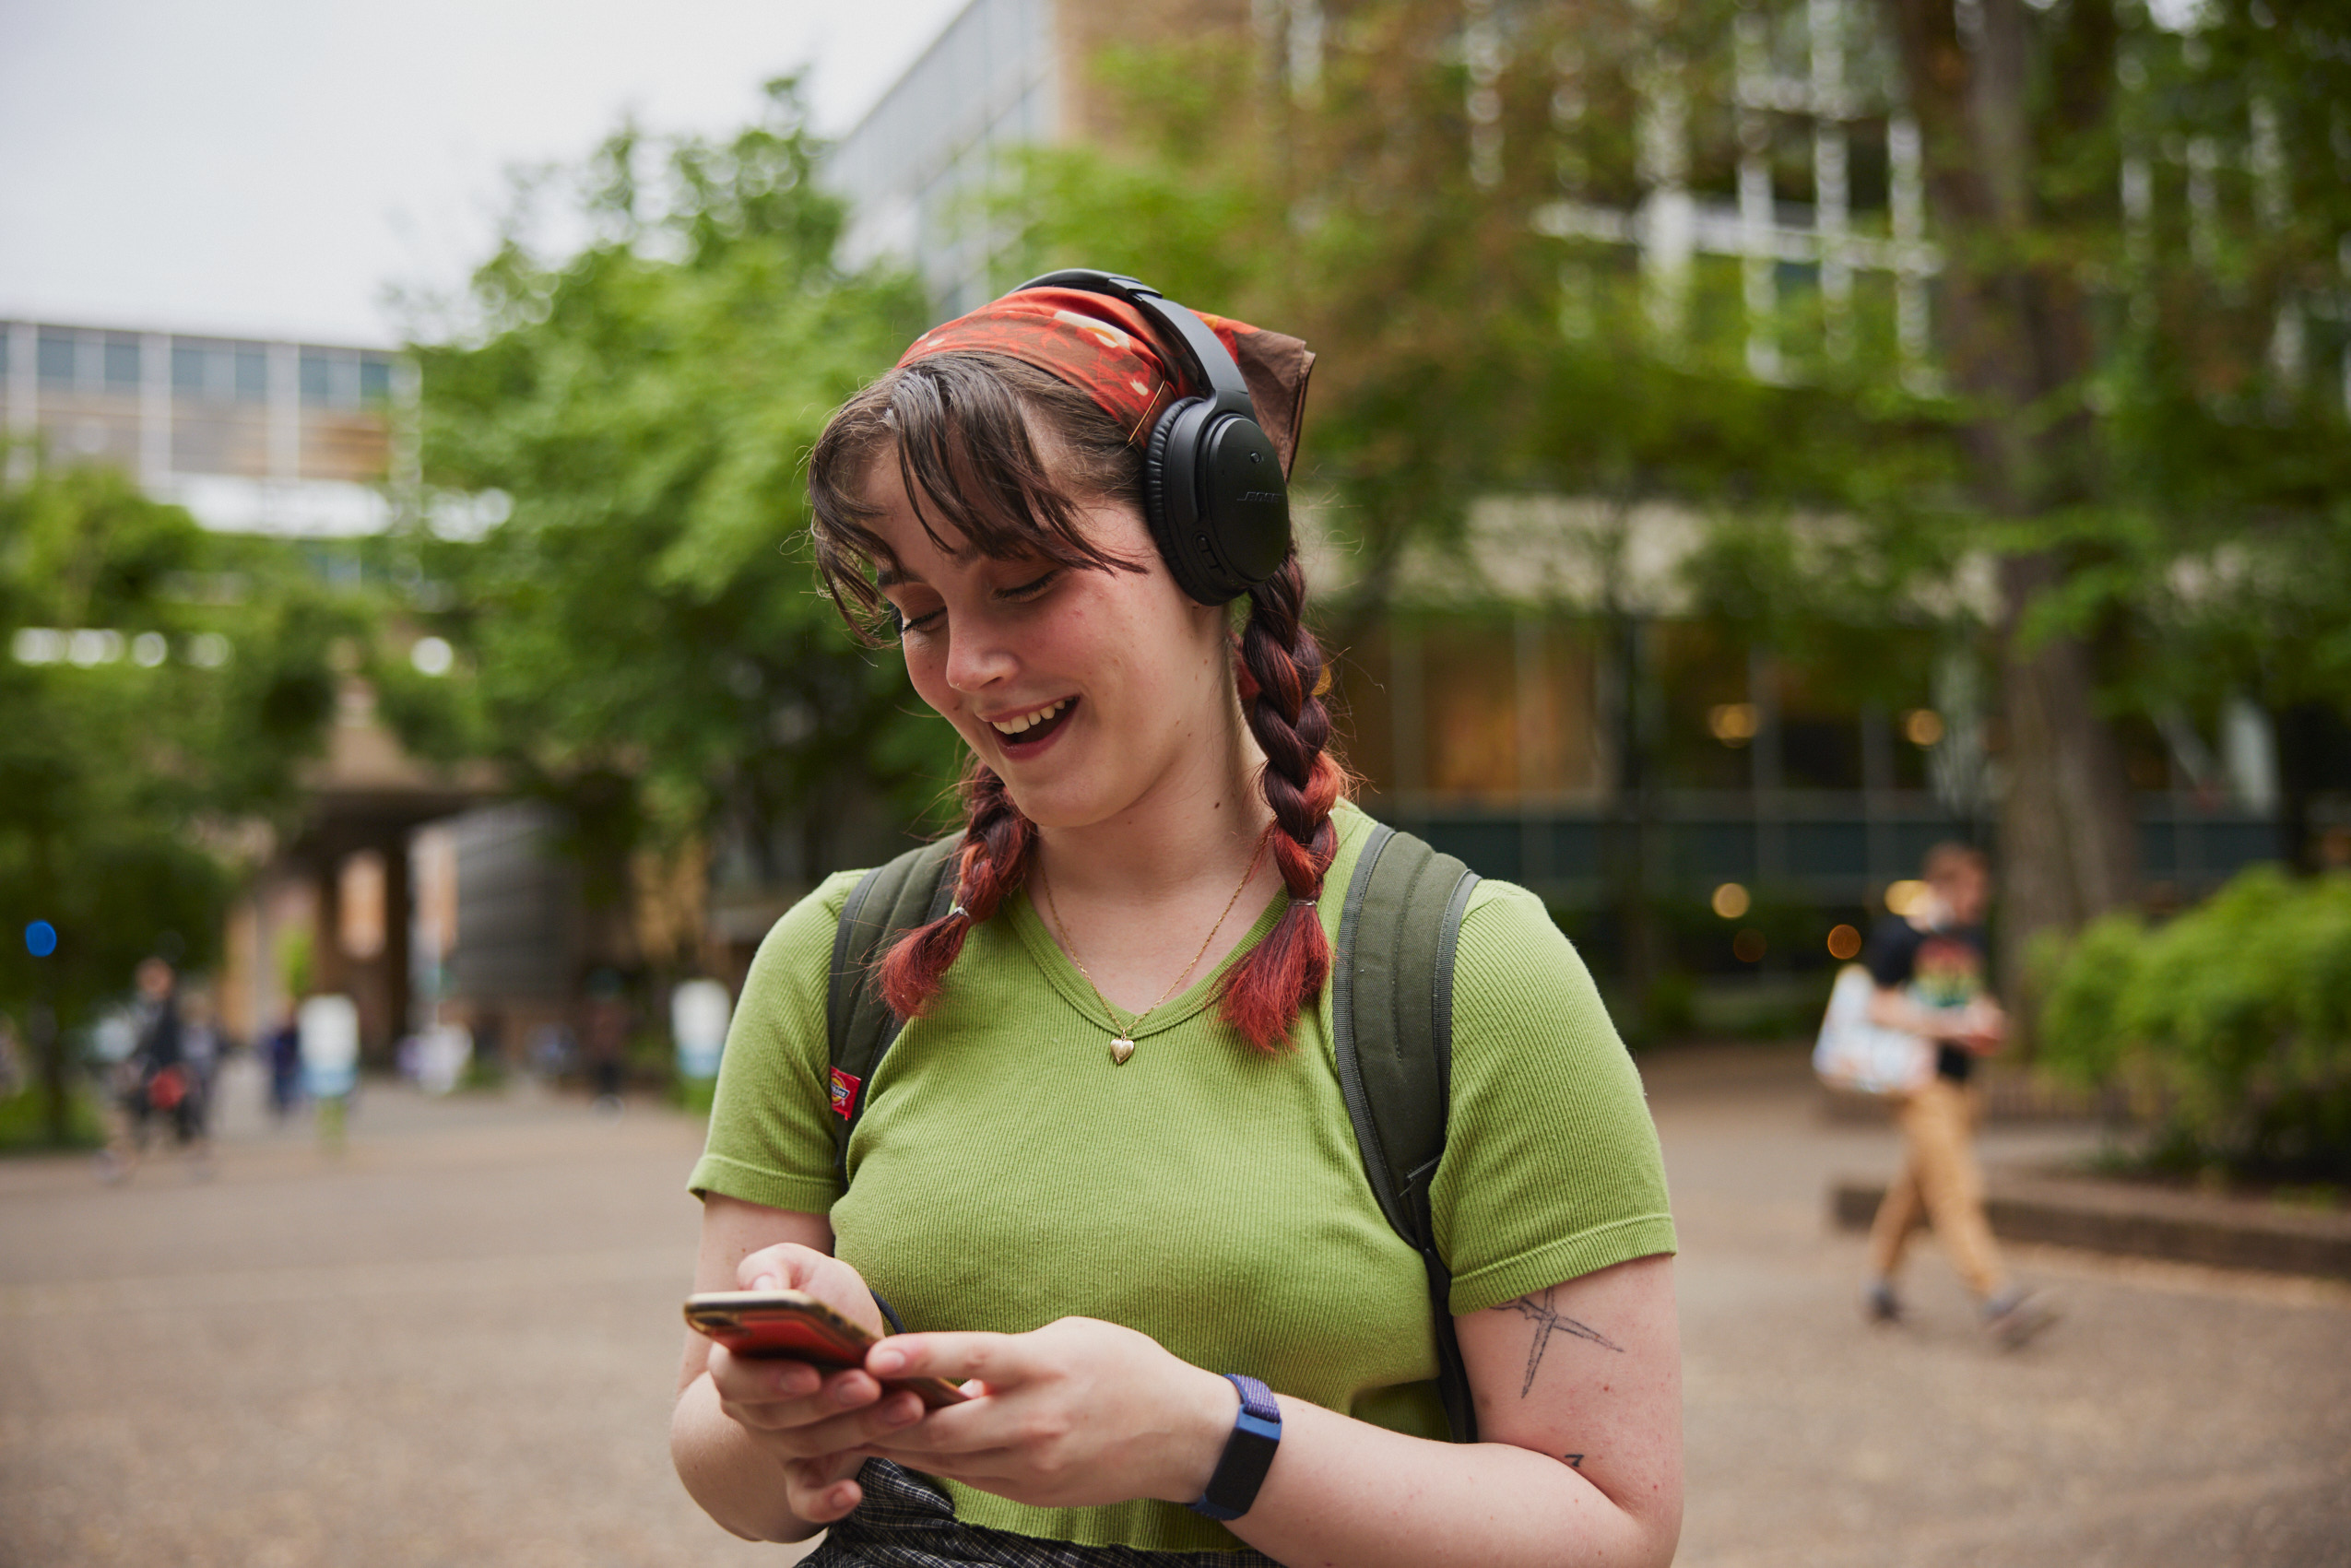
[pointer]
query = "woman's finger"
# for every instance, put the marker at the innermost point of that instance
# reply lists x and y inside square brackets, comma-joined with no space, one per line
[823,1490]
[1001,1360]
[748,1379]
[833,1433]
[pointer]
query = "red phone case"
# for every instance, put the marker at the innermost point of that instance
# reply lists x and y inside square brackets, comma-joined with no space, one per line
[790,1324]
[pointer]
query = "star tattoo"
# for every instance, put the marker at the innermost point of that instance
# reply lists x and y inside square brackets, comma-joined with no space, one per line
[1548,1320]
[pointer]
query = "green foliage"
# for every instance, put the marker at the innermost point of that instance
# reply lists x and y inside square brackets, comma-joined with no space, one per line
[121,779]
[129,778]
[25,1124]
[641,639]
[2233,1020]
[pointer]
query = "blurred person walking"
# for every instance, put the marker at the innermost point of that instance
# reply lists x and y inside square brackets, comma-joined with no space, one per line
[201,1047]
[1929,964]
[604,1037]
[156,1078]
[282,1054]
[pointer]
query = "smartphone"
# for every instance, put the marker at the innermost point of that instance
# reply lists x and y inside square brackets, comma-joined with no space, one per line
[774,1325]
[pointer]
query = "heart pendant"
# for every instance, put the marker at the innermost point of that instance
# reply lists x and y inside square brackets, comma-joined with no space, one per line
[1119,1050]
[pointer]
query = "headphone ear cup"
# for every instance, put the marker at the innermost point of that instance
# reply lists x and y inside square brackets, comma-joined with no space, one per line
[1171,501]
[1155,489]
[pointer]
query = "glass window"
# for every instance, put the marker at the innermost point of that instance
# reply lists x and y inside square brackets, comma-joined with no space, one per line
[121,363]
[56,354]
[375,379]
[316,379]
[188,371]
[252,375]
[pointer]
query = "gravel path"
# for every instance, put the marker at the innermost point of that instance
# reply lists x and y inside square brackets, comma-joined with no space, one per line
[454,1345]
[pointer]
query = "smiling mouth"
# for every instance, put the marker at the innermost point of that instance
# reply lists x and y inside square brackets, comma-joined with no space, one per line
[1023,731]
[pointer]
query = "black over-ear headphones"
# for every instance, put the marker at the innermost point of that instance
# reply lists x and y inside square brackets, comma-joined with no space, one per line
[1213,490]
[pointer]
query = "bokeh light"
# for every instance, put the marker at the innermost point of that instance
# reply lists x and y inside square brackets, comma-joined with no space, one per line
[1730,901]
[1748,946]
[433,655]
[1844,943]
[1903,897]
[40,939]
[1733,724]
[1922,727]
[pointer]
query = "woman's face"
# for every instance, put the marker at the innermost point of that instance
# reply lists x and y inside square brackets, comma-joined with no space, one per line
[1088,692]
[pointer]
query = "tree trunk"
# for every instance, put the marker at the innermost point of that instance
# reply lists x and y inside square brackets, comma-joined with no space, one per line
[2019,340]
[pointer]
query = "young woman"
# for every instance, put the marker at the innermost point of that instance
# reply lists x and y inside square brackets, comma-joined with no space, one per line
[1108,1162]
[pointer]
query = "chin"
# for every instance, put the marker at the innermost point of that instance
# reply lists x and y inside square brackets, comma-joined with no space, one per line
[1061,804]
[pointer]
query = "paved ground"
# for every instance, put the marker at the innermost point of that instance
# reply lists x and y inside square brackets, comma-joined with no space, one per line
[2177,1416]
[454,1344]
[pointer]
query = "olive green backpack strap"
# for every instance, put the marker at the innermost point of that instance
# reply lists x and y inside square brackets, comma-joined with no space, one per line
[1391,1008]
[888,901]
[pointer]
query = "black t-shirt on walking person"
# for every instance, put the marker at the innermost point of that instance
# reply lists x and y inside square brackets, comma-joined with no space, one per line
[1942,968]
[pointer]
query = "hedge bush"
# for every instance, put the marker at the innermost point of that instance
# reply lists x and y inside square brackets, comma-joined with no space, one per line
[2230,1024]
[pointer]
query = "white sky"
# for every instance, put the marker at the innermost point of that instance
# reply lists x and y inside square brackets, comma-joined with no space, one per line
[269,167]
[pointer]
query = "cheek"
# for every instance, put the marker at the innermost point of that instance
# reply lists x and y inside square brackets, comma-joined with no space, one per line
[927,668]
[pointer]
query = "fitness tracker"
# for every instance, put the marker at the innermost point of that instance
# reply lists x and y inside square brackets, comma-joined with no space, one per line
[1248,1453]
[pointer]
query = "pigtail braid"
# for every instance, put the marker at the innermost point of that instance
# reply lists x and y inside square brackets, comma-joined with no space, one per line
[992,863]
[1282,683]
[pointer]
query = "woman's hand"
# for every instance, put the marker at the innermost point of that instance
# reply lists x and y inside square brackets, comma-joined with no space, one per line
[819,1426]
[1076,1413]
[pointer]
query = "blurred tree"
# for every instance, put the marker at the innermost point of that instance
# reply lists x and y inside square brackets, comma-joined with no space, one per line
[2136,382]
[164,685]
[2128,408]
[645,641]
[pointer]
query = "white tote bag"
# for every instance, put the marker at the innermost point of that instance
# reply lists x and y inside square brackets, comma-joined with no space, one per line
[1861,1056]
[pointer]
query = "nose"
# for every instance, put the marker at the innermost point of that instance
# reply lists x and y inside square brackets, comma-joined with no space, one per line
[976,657]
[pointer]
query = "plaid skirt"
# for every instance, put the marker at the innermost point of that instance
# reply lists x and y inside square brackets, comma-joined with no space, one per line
[907,1521]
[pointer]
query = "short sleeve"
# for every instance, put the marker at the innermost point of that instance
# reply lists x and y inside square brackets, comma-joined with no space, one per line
[1552,1169]
[768,1141]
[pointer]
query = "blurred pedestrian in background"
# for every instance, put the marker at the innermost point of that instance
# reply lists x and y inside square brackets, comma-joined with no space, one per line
[201,1048]
[282,1055]
[604,1037]
[1928,964]
[157,1080]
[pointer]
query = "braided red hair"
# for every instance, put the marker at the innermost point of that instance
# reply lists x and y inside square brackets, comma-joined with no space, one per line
[1282,685]
[994,859]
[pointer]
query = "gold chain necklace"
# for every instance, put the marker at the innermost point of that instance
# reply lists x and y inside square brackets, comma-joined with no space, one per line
[1122,1037]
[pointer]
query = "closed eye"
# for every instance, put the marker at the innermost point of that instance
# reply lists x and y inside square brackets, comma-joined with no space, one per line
[1027,591]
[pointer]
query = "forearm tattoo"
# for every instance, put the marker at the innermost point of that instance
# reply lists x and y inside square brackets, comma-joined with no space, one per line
[1548,1320]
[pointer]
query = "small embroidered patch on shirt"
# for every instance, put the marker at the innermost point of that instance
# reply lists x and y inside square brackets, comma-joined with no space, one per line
[844,1093]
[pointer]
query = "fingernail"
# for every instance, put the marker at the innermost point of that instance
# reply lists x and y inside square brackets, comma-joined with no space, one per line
[767,1282]
[904,1412]
[886,1360]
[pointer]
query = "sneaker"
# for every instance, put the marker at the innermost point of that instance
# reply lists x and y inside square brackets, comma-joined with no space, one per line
[1879,1304]
[2013,1318]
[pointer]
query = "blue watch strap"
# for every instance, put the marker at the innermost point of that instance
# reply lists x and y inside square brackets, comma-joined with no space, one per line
[1248,1453]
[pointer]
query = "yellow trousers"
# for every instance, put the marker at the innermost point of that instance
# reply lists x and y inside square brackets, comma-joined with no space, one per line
[1940,1185]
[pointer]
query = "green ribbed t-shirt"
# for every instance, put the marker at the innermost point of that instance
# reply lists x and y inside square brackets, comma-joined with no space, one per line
[1006,1173]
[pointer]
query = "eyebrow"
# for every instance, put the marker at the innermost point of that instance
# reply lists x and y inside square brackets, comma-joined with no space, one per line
[892,576]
